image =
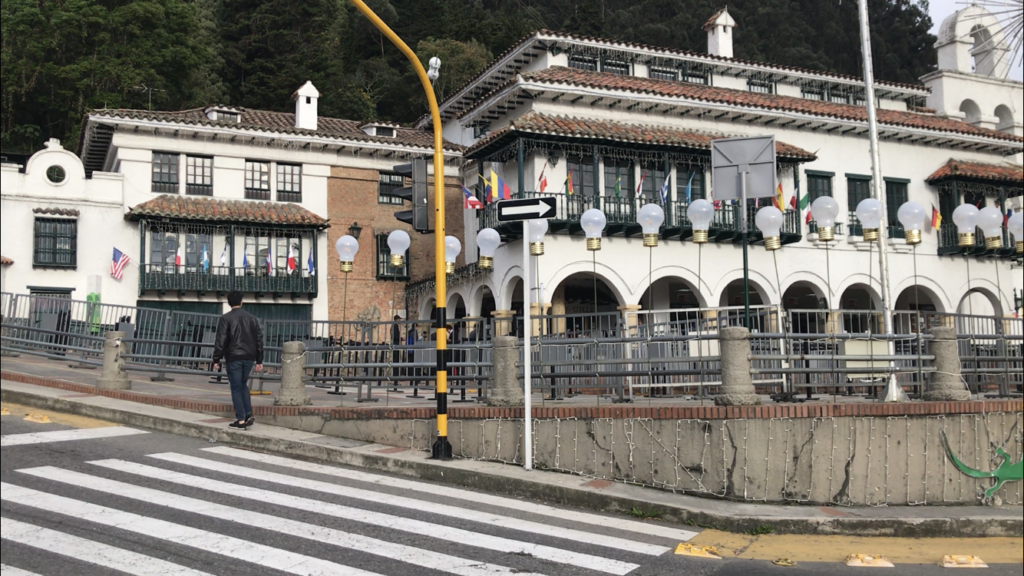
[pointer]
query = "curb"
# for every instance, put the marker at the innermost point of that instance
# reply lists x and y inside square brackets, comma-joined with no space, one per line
[540,491]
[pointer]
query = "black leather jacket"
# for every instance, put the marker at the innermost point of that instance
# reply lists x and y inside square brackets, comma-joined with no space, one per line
[239,337]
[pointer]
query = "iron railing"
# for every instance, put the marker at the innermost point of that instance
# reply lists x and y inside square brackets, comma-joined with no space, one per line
[170,278]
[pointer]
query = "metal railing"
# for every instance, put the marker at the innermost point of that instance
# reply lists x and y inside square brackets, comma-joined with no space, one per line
[171,278]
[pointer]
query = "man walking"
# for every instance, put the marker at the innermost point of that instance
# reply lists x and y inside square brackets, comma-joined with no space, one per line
[240,343]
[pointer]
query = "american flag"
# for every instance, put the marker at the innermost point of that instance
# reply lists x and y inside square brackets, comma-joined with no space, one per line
[118,263]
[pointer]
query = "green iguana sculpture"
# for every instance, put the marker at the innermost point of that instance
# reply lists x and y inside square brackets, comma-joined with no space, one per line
[1006,472]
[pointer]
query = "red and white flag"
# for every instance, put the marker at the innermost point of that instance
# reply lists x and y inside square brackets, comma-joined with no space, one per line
[118,263]
[292,264]
[177,257]
[543,179]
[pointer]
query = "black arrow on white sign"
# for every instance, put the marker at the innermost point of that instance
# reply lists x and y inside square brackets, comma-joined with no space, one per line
[526,209]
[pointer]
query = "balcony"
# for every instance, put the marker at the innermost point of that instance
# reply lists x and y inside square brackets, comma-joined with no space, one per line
[257,193]
[168,278]
[621,214]
[812,228]
[199,189]
[949,244]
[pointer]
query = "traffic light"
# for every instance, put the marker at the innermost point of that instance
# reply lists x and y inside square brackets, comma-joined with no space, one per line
[418,217]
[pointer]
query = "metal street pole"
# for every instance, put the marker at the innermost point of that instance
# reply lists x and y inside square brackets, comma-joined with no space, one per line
[743,231]
[527,354]
[442,449]
[893,391]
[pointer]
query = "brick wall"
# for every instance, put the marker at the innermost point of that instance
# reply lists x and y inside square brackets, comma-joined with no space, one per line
[352,197]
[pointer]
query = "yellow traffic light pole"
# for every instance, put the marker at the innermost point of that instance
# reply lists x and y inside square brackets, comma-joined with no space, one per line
[442,447]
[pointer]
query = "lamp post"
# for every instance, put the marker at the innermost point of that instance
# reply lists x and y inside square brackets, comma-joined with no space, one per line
[593,222]
[347,247]
[869,214]
[355,230]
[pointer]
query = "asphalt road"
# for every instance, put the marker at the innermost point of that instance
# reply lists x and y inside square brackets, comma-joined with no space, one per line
[83,497]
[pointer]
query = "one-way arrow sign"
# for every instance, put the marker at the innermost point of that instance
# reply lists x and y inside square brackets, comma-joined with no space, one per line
[526,209]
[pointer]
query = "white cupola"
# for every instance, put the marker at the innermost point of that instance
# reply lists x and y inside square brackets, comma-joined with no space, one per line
[720,30]
[305,106]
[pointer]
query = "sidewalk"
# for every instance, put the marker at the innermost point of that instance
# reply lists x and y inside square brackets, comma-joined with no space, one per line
[554,488]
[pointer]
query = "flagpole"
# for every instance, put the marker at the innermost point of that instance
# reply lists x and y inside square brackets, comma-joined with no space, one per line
[894,392]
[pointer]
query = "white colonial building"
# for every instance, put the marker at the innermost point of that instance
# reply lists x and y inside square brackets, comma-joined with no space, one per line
[623,117]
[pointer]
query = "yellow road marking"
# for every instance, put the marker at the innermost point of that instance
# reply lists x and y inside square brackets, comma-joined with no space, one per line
[962,562]
[5,412]
[51,417]
[837,548]
[686,549]
[37,418]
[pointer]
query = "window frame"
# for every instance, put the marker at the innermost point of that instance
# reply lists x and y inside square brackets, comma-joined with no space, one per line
[582,168]
[289,182]
[613,170]
[383,253]
[257,180]
[584,62]
[683,172]
[760,86]
[51,229]
[166,181]
[892,205]
[616,66]
[668,74]
[198,175]
[389,181]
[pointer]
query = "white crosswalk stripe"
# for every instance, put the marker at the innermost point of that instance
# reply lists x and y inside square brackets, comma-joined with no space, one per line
[400,523]
[67,435]
[212,542]
[645,528]
[420,505]
[415,556]
[6,570]
[89,551]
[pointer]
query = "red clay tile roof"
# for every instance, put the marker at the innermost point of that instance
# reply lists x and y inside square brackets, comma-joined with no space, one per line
[283,123]
[959,169]
[211,210]
[536,123]
[711,21]
[6,261]
[774,102]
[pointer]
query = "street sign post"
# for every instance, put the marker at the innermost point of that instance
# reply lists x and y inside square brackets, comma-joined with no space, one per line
[742,168]
[526,209]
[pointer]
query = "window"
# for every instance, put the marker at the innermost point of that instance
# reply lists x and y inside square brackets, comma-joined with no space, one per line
[581,62]
[691,177]
[857,189]
[386,184]
[895,196]
[818,185]
[838,97]
[618,179]
[289,183]
[199,175]
[694,76]
[282,253]
[195,244]
[582,170]
[813,93]
[385,131]
[165,173]
[385,271]
[653,176]
[662,74]
[163,247]
[761,86]
[56,243]
[612,66]
[228,116]
[255,255]
[257,180]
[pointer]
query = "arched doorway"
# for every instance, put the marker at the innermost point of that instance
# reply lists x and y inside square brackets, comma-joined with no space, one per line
[911,312]
[579,297]
[979,302]
[485,299]
[732,297]
[860,305]
[672,293]
[803,301]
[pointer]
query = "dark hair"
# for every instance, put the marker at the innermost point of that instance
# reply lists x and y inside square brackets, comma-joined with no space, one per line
[234,298]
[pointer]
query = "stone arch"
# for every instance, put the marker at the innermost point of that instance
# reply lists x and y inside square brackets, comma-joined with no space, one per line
[457,306]
[673,291]
[426,311]
[972,111]
[482,301]
[982,299]
[512,294]
[610,277]
[1005,116]
[761,285]
[918,297]
[574,294]
[861,305]
[927,289]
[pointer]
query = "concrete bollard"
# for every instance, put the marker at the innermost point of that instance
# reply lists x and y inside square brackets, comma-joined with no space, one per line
[505,388]
[114,351]
[945,384]
[737,385]
[293,368]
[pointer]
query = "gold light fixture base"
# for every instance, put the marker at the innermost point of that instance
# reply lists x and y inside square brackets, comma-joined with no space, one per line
[772,243]
[536,248]
[593,244]
[993,243]
[650,240]
[826,234]
[347,267]
[912,236]
[1020,246]
[449,267]
[397,260]
[871,234]
[485,263]
[700,236]
[966,240]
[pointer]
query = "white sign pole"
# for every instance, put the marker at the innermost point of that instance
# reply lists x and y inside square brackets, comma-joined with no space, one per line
[527,353]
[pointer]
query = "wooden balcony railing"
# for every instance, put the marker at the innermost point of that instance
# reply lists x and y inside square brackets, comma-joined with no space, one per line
[170,278]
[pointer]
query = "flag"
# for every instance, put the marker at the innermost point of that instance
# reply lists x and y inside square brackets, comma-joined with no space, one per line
[245,261]
[177,256]
[543,179]
[1006,217]
[499,190]
[471,202]
[664,190]
[792,203]
[204,259]
[224,257]
[118,263]
[568,183]
[618,187]
[309,263]
[689,188]
[639,187]
[780,198]
[292,262]
[270,261]
[718,204]
[936,218]
[487,188]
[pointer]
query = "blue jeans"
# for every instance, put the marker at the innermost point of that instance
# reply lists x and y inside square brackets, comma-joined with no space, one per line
[238,377]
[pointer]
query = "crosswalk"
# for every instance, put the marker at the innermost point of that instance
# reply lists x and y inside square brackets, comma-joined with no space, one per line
[223,507]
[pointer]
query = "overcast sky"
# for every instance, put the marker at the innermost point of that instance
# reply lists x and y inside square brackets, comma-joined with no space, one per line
[942,8]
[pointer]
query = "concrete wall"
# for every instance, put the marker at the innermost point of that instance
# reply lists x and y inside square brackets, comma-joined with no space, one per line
[865,461]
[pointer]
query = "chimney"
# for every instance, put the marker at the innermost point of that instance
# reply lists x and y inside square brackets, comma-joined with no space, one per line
[305,106]
[719,28]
